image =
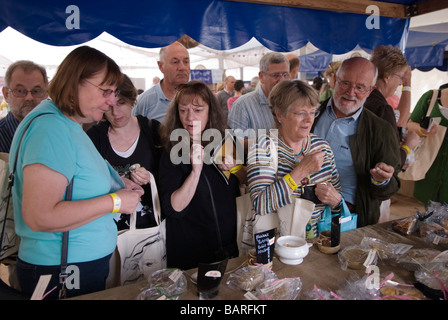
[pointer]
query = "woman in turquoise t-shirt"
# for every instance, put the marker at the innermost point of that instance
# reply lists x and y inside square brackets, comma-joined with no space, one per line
[55,150]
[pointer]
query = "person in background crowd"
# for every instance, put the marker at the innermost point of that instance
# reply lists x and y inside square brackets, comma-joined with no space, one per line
[393,70]
[317,84]
[294,65]
[226,93]
[174,63]
[435,184]
[364,145]
[253,84]
[251,112]
[54,151]
[304,160]
[25,87]
[188,202]
[129,143]
[239,86]
[330,75]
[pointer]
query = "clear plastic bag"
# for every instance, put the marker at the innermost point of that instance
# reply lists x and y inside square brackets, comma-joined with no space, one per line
[280,289]
[357,257]
[385,250]
[248,278]
[433,227]
[417,259]
[164,284]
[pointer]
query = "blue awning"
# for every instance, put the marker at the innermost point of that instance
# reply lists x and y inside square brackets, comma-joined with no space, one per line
[221,25]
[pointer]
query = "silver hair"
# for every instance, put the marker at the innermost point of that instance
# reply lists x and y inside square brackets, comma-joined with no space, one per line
[270,58]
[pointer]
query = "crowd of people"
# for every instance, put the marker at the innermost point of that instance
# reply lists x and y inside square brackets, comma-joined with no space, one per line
[90,126]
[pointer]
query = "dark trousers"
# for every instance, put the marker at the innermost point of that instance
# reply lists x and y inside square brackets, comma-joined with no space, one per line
[92,277]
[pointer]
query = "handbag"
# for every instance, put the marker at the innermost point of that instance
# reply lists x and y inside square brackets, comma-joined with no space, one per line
[291,219]
[426,151]
[348,220]
[9,241]
[141,252]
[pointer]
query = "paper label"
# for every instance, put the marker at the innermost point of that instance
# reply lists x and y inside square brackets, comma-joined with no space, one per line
[41,286]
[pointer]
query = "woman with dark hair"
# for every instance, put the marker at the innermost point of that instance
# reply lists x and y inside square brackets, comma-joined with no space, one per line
[55,151]
[185,178]
[129,143]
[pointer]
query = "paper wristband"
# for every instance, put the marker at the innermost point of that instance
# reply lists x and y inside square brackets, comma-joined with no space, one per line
[406,88]
[421,133]
[117,202]
[290,181]
[406,148]
[236,168]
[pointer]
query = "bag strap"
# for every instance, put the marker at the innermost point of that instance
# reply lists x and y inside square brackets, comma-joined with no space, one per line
[435,93]
[155,205]
[11,175]
[221,252]
[64,253]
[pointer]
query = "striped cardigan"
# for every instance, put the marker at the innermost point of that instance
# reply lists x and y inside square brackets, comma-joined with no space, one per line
[268,190]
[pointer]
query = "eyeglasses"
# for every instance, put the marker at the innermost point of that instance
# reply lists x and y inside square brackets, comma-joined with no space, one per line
[21,92]
[398,76]
[303,114]
[278,75]
[347,85]
[106,92]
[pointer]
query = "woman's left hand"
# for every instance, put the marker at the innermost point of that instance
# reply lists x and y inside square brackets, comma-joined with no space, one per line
[140,176]
[328,194]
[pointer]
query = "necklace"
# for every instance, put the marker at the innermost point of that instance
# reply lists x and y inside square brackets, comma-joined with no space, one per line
[297,156]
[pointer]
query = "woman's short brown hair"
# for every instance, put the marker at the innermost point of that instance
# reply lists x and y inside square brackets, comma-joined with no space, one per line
[388,60]
[128,92]
[216,118]
[80,64]
[287,92]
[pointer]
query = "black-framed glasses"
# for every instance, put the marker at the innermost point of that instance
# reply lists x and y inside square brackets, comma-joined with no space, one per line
[347,85]
[22,92]
[278,75]
[106,92]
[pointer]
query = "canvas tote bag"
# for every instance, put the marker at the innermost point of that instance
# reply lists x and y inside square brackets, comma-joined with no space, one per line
[141,252]
[9,241]
[427,150]
[291,219]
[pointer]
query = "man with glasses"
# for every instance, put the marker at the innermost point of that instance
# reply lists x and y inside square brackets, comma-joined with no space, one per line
[364,145]
[25,87]
[251,111]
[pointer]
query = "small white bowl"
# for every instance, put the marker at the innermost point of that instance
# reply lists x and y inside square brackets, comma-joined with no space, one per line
[291,249]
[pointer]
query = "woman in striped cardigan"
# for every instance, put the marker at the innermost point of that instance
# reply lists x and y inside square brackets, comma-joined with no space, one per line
[303,158]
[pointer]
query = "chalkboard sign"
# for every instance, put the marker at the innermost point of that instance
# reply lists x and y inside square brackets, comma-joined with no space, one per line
[264,246]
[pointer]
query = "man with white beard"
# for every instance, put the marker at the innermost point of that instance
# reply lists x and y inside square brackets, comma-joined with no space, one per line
[364,145]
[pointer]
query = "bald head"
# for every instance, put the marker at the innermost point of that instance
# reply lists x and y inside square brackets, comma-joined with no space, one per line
[355,79]
[174,63]
[359,66]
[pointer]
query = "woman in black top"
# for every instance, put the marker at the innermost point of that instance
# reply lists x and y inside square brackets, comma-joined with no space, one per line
[125,140]
[185,174]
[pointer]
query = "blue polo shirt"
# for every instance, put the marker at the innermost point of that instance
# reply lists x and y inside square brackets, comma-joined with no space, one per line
[337,132]
[152,103]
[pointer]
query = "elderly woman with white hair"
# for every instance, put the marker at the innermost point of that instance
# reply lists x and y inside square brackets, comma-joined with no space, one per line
[304,160]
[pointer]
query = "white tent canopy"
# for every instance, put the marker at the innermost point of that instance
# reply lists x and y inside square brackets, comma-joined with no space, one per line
[141,63]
